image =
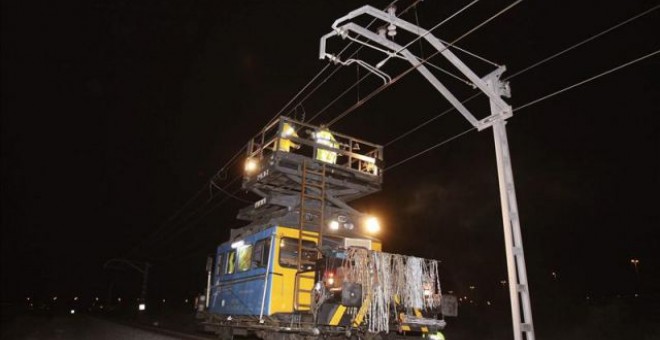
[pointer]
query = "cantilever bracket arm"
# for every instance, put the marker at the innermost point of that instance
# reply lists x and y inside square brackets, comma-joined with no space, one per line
[443,49]
[351,27]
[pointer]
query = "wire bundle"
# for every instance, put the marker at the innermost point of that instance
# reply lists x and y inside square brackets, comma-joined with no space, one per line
[392,281]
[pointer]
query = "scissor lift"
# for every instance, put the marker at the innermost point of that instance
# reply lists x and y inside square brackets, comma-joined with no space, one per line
[301,188]
[279,177]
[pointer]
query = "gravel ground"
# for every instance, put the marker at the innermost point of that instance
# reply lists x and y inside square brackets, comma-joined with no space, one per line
[75,327]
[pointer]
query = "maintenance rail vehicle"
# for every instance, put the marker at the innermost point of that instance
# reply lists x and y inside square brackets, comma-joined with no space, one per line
[268,279]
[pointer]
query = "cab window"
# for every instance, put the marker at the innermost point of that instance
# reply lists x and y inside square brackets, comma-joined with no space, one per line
[231,262]
[244,258]
[289,253]
[219,264]
[260,253]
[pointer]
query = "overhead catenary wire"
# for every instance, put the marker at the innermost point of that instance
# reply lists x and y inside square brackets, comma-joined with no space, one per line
[527,69]
[283,109]
[451,74]
[419,37]
[201,213]
[526,105]
[550,95]
[162,232]
[422,62]
[229,194]
[234,158]
[357,83]
[360,80]
[570,48]
[414,67]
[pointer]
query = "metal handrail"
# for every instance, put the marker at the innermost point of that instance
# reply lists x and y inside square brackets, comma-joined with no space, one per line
[267,141]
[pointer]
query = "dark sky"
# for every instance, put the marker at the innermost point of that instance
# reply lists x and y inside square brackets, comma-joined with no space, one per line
[115,113]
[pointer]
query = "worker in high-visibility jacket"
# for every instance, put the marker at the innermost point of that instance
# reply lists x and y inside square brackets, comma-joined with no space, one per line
[324,137]
[285,144]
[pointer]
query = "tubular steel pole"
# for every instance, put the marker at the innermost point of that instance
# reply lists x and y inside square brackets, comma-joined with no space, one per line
[495,89]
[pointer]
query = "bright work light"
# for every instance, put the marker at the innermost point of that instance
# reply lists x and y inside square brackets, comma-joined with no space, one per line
[250,165]
[372,225]
[334,225]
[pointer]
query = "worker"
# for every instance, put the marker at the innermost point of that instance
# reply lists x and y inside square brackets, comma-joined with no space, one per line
[324,137]
[285,144]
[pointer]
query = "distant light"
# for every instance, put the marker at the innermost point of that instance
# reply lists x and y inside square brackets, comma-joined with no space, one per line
[54,298]
[142,306]
[503,282]
[101,307]
[334,225]
[186,301]
[488,303]
[238,244]
[27,298]
[372,225]
[75,298]
[250,165]
[472,287]
[73,311]
[96,298]
[118,299]
[163,300]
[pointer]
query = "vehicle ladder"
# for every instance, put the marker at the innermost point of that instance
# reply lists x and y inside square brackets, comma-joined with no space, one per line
[310,225]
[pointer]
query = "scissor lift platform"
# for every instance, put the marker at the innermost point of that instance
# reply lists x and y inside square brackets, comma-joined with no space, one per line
[357,172]
[282,166]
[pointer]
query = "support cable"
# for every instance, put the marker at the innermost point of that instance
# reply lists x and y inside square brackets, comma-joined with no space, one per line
[414,67]
[419,37]
[229,194]
[372,94]
[394,80]
[390,55]
[201,215]
[316,77]
[349,57]
[537,64]
[595,36]
[550,95]
[234,158]
[161,233]
[526,105]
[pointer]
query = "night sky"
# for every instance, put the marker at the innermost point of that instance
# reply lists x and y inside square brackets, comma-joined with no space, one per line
[115,113]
